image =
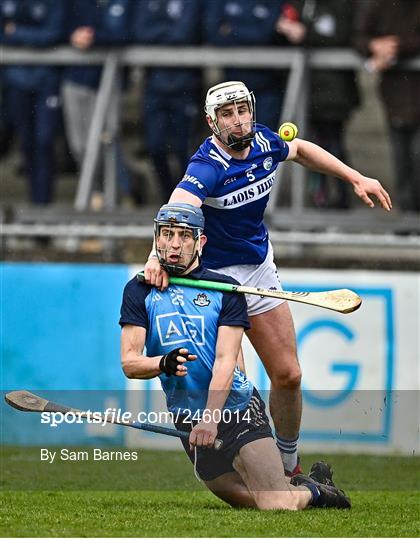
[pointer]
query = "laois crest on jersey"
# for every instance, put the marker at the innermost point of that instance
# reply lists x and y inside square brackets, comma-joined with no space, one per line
[235,194]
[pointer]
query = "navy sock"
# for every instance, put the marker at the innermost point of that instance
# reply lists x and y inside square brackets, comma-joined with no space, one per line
[315,492]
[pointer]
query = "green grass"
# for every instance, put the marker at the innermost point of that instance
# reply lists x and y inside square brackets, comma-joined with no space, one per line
[158,496]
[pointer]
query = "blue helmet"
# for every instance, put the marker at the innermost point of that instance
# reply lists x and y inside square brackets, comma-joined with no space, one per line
[179,215]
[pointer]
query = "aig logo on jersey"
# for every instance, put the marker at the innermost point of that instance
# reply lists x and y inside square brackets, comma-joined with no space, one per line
[174,328]
[268,163]
[201,300]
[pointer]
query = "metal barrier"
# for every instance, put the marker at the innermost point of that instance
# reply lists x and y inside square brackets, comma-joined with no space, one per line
[298,60]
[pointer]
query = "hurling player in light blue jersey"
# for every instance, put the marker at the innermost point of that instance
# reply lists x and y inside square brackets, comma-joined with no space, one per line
[230,177]
[193,338]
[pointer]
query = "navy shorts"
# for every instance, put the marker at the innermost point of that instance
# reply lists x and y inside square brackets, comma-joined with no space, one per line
[249,425]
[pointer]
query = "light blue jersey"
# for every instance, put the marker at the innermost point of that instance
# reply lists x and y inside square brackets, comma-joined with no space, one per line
[188,317]
[235,194]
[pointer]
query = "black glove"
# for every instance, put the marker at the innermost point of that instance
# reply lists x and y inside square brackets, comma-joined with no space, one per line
[169,363]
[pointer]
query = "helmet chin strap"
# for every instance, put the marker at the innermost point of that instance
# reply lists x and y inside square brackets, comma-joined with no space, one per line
[236,143]
[178,269]
[240,143]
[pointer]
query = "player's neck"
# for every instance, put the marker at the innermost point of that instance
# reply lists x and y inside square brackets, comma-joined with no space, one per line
[194,265]
[241,154]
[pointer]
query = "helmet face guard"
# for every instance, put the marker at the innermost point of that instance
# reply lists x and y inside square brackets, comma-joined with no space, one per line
[231,93]
[177,215]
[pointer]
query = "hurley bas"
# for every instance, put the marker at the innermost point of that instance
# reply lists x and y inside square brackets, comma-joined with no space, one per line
[93,454]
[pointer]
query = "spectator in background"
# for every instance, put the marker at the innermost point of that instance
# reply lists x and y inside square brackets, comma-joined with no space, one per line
[92,23]
[33,91]
[333,94]
[171,95]
[239,23]
[390,34]
[6,124]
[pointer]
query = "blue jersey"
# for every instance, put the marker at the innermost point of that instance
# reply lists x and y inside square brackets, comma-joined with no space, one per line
[235,194]
[188,317]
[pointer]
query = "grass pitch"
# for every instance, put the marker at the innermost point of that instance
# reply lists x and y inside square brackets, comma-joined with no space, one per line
[159,496]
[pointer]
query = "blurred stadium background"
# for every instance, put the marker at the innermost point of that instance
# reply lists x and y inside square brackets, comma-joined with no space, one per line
[64,264]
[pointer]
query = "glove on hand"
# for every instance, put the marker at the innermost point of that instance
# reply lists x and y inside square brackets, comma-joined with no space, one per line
[169,364]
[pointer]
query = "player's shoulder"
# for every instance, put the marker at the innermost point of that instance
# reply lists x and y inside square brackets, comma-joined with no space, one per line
[137,288]
[211,154]
[267,133]
[210,275]
[203,150]
[268,140]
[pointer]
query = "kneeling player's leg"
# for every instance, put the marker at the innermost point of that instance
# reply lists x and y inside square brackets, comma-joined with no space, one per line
[272,335]
[231,488]
[259,464]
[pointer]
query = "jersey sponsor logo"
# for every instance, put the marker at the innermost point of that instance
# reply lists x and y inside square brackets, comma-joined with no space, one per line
[261,12]
[174,9]
[250,169]
[39,11]
[201,300]
[229,181]
[244,195]
[174,328]
[192,180]
[268,163]
[117,10]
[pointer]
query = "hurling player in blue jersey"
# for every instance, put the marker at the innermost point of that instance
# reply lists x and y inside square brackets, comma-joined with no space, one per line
[193,337]
[231,176]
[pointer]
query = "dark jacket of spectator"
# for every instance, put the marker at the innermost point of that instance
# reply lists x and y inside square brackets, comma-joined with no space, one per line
[32,91]
[242,23]
[110,22]
[329,23]
[333,93]
[400,89]
[169,22]
[32,24]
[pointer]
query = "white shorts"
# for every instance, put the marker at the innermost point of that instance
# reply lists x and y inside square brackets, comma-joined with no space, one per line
[262,275]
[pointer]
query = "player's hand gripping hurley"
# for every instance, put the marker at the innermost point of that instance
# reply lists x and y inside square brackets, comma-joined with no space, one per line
[341,300]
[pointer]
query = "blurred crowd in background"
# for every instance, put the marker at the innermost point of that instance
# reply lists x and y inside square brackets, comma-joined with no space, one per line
[46,106]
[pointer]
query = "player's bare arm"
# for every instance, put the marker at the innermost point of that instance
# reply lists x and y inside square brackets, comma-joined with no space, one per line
[316,158]
[154,274]
[227,349]
[138,366]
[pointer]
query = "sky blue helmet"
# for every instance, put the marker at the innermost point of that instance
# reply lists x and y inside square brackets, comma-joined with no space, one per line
[179,215]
